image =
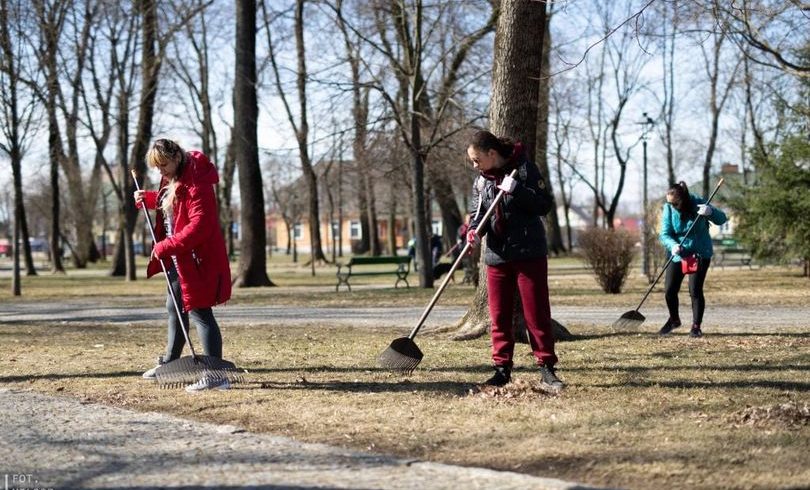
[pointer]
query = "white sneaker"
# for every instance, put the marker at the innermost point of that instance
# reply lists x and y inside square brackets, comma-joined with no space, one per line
[150,375]
[209,383]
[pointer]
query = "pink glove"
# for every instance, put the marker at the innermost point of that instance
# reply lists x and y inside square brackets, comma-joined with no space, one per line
[473,239]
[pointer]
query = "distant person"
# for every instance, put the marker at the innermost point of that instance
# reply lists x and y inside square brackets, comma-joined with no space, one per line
[192,248]
[435,249]
[461,237]
[680,211]
[412,252]
[516,254]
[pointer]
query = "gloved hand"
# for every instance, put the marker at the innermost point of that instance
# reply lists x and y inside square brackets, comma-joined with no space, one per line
[473,239]
[676,250]
[704,210]
[508,185]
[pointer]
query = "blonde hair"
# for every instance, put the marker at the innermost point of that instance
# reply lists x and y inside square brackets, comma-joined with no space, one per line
[162,151]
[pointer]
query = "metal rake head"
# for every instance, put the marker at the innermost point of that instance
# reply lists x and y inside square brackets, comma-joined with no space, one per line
[631,319]
[190,369]
[402,355]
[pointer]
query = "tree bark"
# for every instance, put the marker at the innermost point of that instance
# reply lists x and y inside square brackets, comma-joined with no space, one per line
[253,234]
[513,109]
[554,238]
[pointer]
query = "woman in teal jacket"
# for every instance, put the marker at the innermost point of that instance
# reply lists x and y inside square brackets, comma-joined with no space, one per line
[680,211]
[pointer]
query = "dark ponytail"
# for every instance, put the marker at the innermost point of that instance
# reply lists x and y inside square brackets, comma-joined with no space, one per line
[681,200]
[483,140]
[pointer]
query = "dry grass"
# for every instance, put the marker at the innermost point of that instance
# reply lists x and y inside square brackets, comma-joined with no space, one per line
[640,411]
[570,284]
[725,411]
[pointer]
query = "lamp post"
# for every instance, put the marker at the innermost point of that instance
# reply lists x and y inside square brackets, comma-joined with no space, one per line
[646,125]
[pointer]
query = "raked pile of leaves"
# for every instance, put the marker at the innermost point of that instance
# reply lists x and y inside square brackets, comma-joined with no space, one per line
[790,414]
[518,389]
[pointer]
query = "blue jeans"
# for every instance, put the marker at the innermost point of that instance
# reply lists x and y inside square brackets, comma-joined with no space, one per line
[207,328]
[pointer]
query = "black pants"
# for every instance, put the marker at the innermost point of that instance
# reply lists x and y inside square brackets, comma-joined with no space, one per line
[207,327]
[672,285]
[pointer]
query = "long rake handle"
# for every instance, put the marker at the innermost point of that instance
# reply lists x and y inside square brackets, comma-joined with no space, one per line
[458,260]
[688,230]
[165,273]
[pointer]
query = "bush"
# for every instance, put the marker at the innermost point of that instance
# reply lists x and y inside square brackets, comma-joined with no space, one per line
[609,254]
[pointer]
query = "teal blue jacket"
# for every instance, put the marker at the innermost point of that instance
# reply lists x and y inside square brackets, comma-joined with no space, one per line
[673,229]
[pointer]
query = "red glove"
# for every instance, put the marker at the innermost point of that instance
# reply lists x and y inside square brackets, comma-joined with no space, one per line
[473,239]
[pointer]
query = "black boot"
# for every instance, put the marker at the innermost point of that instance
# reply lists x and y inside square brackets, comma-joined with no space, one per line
[696,331]
[669,326]
[549,379]
[502,376]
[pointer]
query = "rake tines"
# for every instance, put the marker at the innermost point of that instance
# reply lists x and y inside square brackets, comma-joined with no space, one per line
[402,355]
[189,369]
[631,319]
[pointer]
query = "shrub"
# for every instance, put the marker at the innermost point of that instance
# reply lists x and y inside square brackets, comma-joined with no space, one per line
[609,254]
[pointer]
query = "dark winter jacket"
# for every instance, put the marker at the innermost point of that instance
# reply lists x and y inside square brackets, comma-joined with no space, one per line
[520,234]
[196,242]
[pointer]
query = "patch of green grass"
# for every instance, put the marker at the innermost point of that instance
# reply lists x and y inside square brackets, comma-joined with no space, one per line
[639,411]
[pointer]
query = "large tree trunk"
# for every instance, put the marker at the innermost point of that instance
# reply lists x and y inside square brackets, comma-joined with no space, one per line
[513,109]
[253,234]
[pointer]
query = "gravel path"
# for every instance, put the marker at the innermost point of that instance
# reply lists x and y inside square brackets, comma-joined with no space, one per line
[62,443]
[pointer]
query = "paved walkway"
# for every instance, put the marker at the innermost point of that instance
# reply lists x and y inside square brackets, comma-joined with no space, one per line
[405,317]
[61,443]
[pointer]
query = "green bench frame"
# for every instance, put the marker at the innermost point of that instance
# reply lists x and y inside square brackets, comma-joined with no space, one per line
[729,255]
[402,262]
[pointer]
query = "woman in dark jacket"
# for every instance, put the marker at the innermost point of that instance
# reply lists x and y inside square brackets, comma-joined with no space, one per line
[191,246]
[516,252]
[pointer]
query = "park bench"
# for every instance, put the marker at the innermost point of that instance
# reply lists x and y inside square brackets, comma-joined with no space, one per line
[734,256]
[727,251]
[366,264]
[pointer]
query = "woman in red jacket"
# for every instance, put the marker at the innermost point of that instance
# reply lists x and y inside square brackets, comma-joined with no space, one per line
[191,246]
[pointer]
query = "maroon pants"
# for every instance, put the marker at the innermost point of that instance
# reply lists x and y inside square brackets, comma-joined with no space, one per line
[530,278]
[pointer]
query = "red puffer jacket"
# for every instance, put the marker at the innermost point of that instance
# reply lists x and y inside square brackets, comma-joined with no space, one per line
[202,260]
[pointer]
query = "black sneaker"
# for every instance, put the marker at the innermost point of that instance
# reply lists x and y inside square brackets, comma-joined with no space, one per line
[549,379]
[501,377]
[696,331]
[669,326]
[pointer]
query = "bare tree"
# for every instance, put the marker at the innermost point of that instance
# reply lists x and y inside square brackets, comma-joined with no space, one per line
[719,91]
[555,243]
[777,31]
[17,109]
[514,106]
[51,19]
[252,257]
[419,111]
[360,116]
[300,127]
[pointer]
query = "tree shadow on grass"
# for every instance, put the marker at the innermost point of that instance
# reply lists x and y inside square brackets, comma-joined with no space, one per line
[404,386]
[681,384]
[655,335]
[57,376]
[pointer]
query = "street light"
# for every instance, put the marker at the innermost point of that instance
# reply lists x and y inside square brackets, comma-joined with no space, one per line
[646,126]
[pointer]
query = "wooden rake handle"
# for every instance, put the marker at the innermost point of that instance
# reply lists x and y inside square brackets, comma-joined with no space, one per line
[688,230]
[165,273]
[458,260]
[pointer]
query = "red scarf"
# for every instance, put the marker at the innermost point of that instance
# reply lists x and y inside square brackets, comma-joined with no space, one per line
[497,175]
